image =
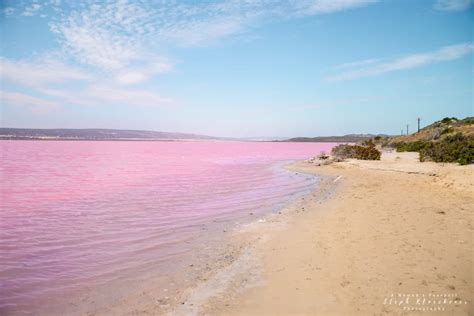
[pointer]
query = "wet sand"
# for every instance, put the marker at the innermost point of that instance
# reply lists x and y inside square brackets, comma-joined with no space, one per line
[374,238]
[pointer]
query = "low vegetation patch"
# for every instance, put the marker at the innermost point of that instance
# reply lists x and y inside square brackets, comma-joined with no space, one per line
[368,152]
[410,146]
[456,148]
[452,148]
[449,120]
[447,140]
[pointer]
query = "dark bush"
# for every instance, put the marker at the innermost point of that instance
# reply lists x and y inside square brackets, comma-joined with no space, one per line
[455,148]
[468,120]
[367,153]
[356,151]
[448,119]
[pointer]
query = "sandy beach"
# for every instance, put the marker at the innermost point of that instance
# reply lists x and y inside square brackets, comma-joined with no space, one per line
[389,237]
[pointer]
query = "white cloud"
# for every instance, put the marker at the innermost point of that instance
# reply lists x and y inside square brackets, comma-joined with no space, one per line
[78,87]
[116,45]
[142,73]
[114,34]
[453,5]
[209,30]
[445,53]
[131,77]
[39,72]
[107,35]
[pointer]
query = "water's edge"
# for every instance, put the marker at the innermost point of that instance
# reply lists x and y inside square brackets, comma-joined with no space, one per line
[240,267]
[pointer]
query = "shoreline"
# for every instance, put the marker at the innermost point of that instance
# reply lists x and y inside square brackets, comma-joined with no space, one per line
[370,230]
[238,265]
[244,269]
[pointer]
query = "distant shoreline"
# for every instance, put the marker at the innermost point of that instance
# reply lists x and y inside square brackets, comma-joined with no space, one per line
[98,134]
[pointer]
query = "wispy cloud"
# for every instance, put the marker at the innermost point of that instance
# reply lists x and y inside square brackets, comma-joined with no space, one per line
[114,34]
[453,5]
[374,68]
[107,48]
[106,35]
[40,72]
[141,73]
[34,104]
[310,7]
[52,84]
[359,63]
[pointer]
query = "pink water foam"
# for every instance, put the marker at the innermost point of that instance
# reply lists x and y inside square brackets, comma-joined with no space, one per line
[73,212]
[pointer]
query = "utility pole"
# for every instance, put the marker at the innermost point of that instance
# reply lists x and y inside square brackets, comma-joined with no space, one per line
[401,132]
[419,119]
[407,129]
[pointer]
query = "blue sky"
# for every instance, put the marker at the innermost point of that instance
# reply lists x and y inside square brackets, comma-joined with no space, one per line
[236,68]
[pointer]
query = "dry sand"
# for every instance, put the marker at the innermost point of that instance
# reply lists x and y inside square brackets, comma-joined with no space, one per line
[372,229]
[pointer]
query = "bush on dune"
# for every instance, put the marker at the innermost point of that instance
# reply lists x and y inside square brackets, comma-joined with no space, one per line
[410,146]
[456,148]
[343,151]
[357,152]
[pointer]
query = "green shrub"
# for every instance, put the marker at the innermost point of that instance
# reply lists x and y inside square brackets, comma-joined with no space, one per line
[454,148]
[356,151]
[343,151]
[411,146]
[448,119]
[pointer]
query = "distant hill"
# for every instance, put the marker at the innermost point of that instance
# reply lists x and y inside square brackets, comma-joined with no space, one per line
[93,134]
[351,138]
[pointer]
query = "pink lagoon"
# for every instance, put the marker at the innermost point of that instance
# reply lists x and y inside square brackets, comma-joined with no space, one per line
[87,224]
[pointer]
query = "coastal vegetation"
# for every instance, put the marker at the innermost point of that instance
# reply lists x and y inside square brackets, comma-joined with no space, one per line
[367,151]
[454,148]
[447,140]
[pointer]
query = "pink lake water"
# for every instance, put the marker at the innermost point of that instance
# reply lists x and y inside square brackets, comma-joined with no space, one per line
[78,216]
